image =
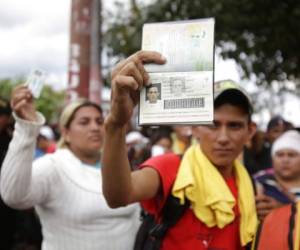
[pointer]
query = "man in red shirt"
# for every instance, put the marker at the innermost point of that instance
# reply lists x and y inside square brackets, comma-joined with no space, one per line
[222,213]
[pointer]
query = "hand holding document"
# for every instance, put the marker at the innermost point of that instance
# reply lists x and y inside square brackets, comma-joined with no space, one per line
[180,91]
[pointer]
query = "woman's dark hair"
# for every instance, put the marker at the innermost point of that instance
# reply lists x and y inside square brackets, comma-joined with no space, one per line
[160,134]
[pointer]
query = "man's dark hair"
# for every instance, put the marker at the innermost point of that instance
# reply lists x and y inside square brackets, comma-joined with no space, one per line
[235,98]
[275,121]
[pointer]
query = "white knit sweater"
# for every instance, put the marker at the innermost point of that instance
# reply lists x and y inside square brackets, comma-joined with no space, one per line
[67,196]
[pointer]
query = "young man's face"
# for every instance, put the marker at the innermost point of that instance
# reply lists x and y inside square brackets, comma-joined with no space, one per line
[152,94]
[224,141]
[286,164]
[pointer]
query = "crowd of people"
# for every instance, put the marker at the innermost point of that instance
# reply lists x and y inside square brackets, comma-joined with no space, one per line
[87,186]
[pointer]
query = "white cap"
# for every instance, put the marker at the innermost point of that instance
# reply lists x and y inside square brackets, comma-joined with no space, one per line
[135,137]
[47,132]
[288,140]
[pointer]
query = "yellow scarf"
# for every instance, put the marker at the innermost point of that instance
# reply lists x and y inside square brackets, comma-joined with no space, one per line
[211,199]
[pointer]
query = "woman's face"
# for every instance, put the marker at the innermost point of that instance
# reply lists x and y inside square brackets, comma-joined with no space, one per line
[166,143]
[85,133]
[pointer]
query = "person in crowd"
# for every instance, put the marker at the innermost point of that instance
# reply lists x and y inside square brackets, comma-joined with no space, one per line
[161,142]
[275,127]
[7,215]
[222,213]
[137,148]
[283,185]
[45,142]
[182,138]
[251,151]
[64,187]
[20,229]
[5,127]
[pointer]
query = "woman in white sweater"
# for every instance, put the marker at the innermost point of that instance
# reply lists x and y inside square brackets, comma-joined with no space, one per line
[64,187]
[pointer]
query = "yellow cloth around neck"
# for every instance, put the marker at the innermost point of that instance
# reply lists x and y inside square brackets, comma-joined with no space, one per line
[211,199]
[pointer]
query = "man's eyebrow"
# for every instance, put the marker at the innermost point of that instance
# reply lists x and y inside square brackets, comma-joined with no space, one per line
[235,122]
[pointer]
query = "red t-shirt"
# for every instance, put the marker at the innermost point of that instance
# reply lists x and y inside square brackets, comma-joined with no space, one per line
[190,233]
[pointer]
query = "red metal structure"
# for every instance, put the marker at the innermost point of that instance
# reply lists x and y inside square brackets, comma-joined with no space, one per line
[84,74]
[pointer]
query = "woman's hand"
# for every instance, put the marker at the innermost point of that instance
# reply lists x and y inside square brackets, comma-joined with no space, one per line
[22,103]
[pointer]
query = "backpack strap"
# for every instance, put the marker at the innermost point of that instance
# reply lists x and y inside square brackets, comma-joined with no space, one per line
[151,232]
[257,237]
[171,212]
[253,184]
[292,226]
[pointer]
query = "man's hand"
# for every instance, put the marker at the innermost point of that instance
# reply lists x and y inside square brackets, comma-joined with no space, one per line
[265,204]
[22,103]
[128,78]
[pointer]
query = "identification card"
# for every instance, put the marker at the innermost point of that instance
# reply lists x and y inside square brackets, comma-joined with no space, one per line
[35,82]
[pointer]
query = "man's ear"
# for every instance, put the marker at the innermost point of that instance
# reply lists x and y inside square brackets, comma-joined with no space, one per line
[252,129]
[196,132]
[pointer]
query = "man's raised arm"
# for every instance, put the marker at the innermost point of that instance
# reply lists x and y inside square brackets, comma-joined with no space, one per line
[120,186]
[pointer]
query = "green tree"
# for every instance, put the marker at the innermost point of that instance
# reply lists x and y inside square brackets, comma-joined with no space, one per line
[261,36]
[6,86]
[49,103]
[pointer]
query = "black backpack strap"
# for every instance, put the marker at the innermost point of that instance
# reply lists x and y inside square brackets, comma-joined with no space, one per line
[292,226]
[170,214]
[257,237]
[173,210]
[253,184]
[151,233]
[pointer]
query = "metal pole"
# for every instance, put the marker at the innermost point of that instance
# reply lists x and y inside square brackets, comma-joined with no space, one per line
[79,55]
[96,81]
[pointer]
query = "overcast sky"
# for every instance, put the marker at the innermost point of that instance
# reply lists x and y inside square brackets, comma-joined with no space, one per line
[35,34]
